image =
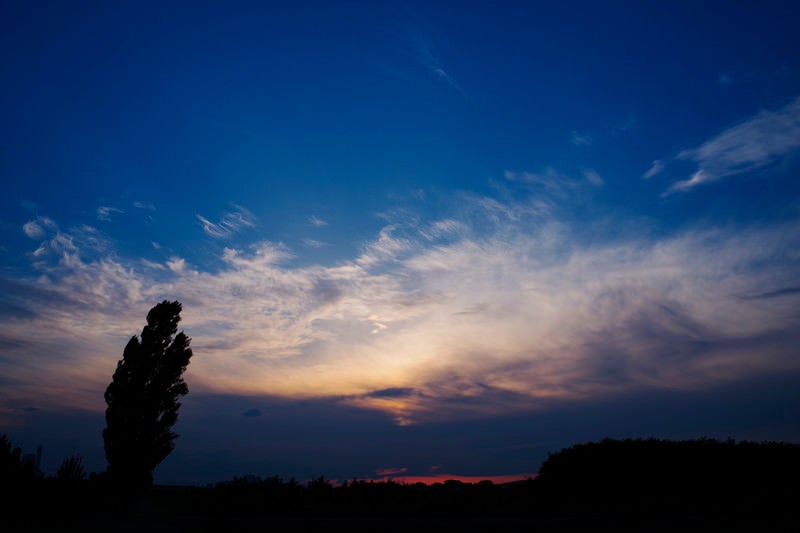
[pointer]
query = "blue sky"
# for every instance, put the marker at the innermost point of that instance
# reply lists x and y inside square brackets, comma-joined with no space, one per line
[409,237]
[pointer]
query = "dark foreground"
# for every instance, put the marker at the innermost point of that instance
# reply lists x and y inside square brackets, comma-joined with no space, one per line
[200,524]
[275,505]
[629,485]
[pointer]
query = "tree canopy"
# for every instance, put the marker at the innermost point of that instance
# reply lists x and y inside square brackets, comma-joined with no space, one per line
[143,397]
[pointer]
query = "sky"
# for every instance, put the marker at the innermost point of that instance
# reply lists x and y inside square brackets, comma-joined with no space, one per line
[412,240]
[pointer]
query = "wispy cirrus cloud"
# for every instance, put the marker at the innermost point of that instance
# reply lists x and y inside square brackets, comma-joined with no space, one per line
[655,169]
[555,185]
[317,222]
[432,63]
[593,177]
[754,144]
[231,222]
[312,243]
[104,213]
[498,308]
[578,138]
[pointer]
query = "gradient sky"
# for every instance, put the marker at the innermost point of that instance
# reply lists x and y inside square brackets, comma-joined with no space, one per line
[410,238]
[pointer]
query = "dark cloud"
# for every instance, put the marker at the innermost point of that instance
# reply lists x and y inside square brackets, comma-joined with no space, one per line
[394,392]
[787,291]
[252,413]
[10,344]
[391,471]
[15,311]
[23,299]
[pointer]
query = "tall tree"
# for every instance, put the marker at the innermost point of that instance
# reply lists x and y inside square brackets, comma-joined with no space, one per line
[143,398]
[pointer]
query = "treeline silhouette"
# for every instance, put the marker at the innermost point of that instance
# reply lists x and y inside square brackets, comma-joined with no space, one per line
[660,476]
[609,478]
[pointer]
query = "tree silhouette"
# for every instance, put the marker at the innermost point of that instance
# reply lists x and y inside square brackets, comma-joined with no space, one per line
[13,468]
[71,469]
[142,398]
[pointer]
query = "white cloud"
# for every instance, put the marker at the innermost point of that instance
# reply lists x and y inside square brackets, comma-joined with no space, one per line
[104,213]
[311,243]
[496,310]
[655,169]
[698,178]
[177,264]
[442,229]
[37,229]
[551,179]
[593,177]
[33,230]
[153,265]
[317,222]
[142,205]
[231,222]
[754,144]
[553,187]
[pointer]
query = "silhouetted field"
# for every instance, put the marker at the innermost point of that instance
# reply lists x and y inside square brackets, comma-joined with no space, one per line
[642,485]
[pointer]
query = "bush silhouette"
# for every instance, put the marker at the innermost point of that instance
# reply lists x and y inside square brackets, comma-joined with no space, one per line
[71,469]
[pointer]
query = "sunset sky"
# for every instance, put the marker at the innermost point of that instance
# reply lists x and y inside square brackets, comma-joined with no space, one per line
[410,238]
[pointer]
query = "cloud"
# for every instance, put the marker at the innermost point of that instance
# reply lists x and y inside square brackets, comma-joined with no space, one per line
[36,229]
[758,142]
[427,58]
[231,222]
[593,177]
[395,392]
[391,471]
[60,248]
[697,178]
[252,413]
[625,126]
[142,205]
[177,265]
[553,187]
[581,139]
[444,76]
[551,179]
[655,169]
[104,213]
[442,229]
[33,230]
[317,222]
[151,264]
[777,293]
[496,308]
[311,243]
